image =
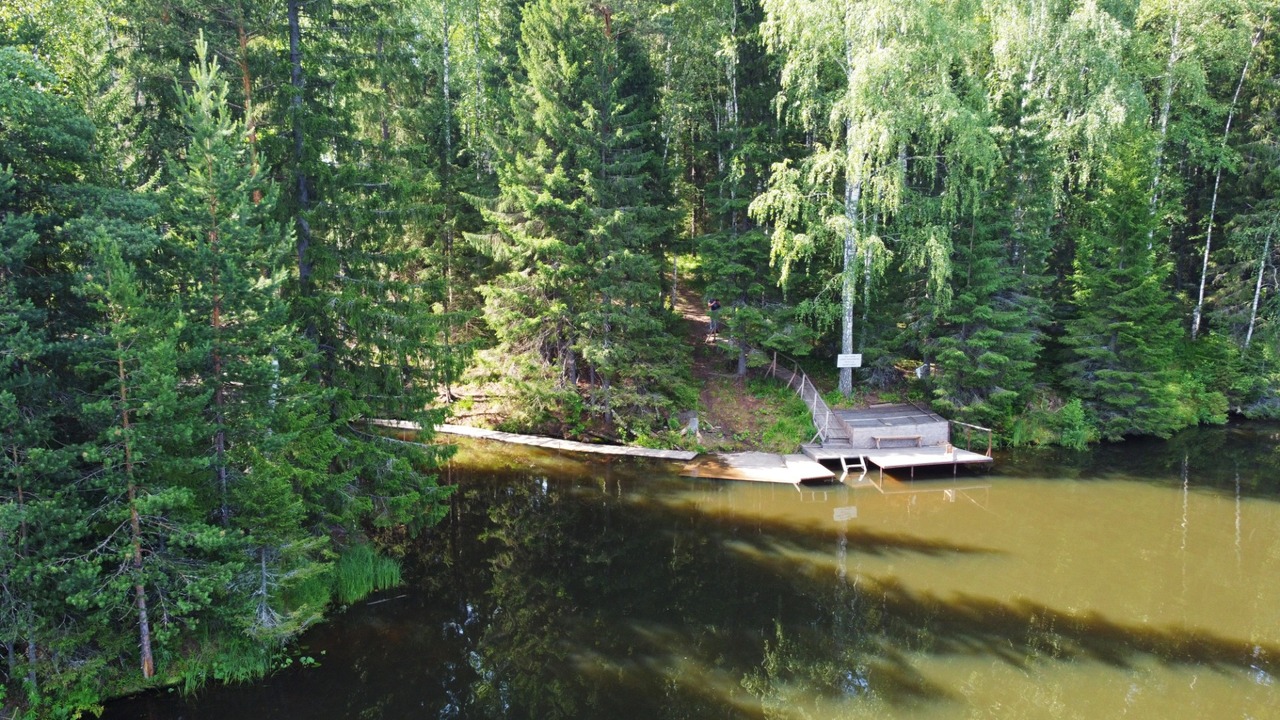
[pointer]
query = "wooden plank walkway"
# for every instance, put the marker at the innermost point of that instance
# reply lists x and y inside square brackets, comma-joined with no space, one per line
[545,442]
[757,467]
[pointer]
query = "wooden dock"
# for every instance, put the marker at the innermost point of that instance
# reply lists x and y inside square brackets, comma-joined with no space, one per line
[758,467]
[896,458]
[792,469]
[890,435]
[545,442]
[925,457]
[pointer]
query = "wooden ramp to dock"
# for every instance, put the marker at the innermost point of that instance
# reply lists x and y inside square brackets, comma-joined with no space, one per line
[546,442]
[758,467]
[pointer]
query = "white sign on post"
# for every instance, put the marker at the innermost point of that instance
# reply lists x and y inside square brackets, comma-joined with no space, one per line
[849,361]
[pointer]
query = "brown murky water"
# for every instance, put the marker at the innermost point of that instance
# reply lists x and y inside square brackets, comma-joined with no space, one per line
[1136,581]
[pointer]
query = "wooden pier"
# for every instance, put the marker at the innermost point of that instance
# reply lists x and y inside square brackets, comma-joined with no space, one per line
[758,467]
[891,436]
[545,442]
[926,457]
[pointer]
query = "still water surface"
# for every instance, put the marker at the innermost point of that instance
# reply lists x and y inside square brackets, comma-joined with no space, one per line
[1138,581]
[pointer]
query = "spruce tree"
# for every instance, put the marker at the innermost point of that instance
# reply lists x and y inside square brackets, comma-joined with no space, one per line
[44,151]
[1122,333]
[361,295]
[579,216]
[987,342]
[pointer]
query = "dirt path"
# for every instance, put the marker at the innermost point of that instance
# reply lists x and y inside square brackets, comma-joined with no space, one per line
[697,322]
[729,415]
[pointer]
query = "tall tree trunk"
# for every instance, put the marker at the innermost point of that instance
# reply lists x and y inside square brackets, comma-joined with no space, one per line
[246,81]
[135,525]
[852,198]
[1217,183]
[445,182]
[732,118]
[1165,105]
[479,98]
[220,386]
[1257,289]
[301,181]
[266,616]
[33,655]
[22,552]
[866,277]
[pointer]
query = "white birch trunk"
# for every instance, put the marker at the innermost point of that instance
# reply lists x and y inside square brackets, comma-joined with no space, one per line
[1217,183]
[852,199]
[1257,289]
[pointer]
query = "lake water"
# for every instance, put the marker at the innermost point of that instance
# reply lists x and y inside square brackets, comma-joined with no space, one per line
[1139,580]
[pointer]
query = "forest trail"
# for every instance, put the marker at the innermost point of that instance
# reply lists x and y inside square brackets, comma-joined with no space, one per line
[697,323]
[727,414]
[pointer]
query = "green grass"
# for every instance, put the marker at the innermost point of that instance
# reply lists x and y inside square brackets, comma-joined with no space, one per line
[790,423]
[361,571]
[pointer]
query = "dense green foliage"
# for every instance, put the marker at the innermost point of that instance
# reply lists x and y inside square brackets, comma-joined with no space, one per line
[233,232]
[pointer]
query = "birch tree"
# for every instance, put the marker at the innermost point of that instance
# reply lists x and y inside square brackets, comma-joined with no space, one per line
[1222,160]
[872,84]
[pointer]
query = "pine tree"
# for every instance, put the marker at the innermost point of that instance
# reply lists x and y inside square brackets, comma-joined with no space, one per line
[152,547]
[229,260]
[246,358]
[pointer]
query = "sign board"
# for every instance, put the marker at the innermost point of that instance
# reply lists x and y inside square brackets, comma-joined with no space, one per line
[849,361]
[842,514]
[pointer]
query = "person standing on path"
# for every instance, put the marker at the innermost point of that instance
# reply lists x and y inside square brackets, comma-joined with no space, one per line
[714,307]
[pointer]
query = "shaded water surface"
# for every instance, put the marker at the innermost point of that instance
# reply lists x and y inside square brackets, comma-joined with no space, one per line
[1138,581]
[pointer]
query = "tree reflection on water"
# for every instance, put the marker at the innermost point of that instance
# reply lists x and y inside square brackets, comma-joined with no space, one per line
[614,590]
[604,604]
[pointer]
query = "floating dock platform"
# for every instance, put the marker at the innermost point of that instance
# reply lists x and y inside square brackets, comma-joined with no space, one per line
[896,458]
[925,457]
[758,467]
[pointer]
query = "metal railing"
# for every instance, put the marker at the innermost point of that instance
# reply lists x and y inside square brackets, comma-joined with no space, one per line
[968,435]
[827,423]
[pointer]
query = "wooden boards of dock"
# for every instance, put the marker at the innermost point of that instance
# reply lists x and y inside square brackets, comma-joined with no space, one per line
[546,442]
[790,469]
[758,467]
[750,466]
